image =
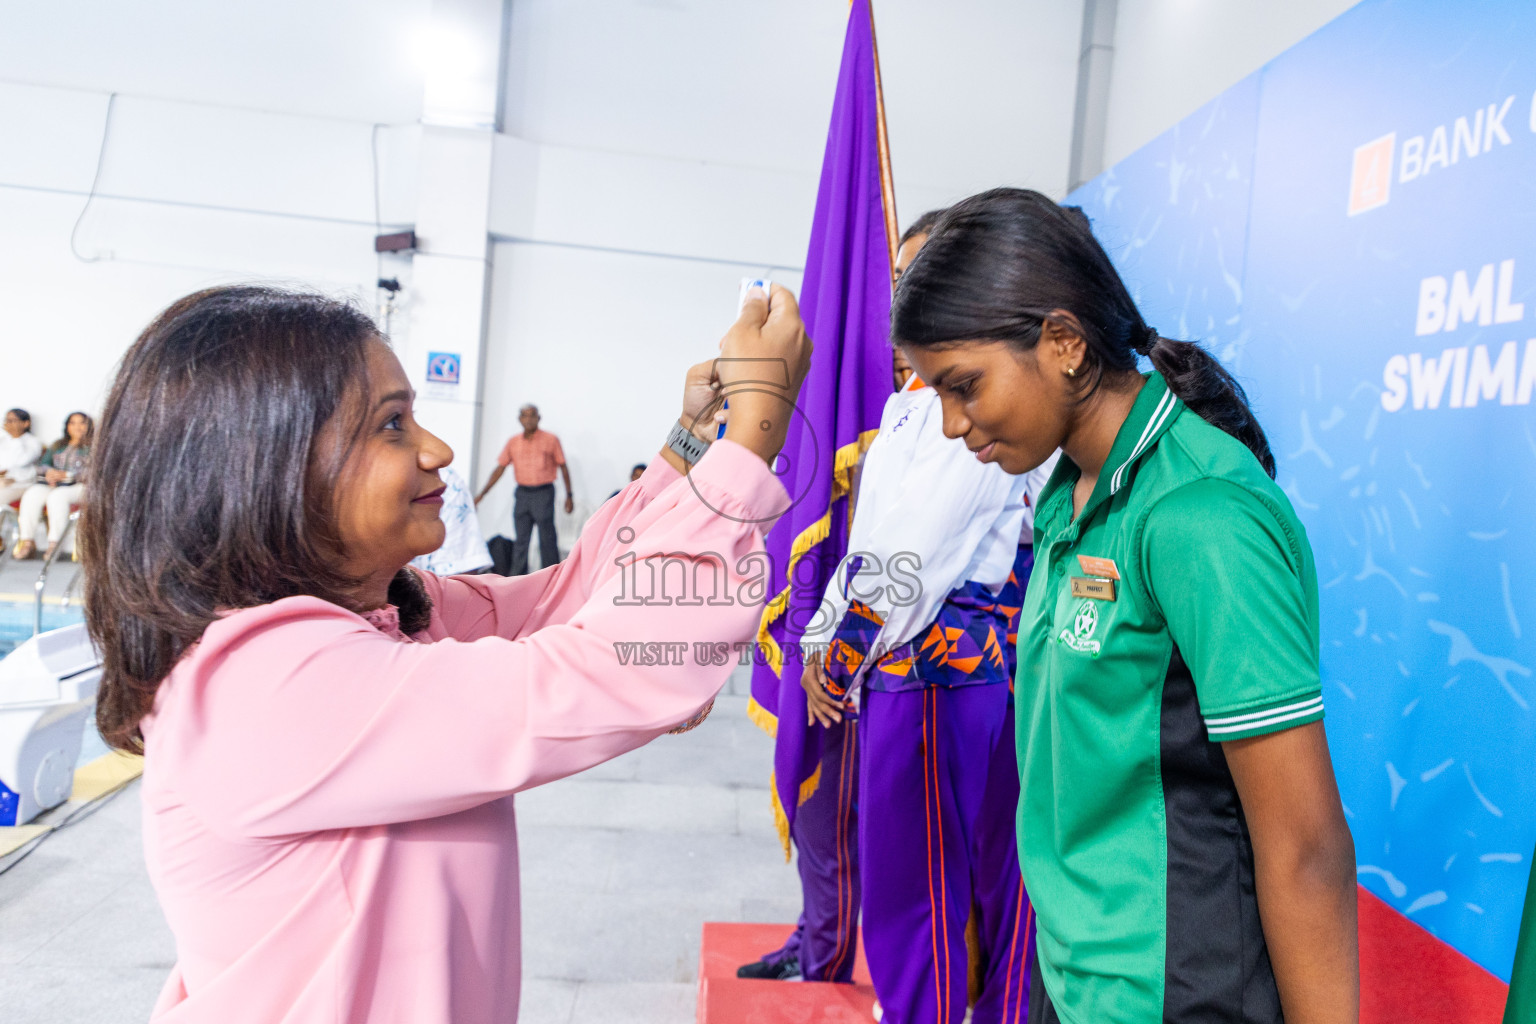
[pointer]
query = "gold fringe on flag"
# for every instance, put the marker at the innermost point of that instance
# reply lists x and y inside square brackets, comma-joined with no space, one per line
[843,463]
[780,819]
[809,786]
[762,718]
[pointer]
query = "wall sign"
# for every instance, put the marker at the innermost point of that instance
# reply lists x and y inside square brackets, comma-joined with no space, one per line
[442,367]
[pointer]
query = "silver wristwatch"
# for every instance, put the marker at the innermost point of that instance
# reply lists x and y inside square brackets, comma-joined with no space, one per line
[688,447]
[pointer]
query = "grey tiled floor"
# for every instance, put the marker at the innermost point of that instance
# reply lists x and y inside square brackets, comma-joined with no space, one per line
[621,867]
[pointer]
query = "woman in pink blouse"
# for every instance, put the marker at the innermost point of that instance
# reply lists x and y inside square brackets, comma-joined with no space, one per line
[331,740]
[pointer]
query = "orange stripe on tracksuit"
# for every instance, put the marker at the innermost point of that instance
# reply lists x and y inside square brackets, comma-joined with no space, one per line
[938,790]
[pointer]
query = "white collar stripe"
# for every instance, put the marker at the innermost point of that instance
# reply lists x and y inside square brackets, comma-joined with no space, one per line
[1159,414]
[1141,442]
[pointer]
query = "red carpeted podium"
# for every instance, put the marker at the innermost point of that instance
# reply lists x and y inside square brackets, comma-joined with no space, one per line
[727,999]
[1406,975]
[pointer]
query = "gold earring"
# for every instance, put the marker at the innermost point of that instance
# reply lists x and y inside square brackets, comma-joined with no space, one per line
[1070,371]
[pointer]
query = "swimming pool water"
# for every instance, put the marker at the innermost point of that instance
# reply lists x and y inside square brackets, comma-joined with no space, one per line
[16,622]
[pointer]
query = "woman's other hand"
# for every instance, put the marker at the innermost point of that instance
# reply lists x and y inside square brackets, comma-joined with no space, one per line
[701,401]
[54,477]
[820,706]
[764,358]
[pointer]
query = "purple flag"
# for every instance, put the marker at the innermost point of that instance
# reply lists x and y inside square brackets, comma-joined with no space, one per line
[846,303]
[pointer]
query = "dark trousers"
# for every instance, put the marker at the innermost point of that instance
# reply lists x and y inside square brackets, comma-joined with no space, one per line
[533,506]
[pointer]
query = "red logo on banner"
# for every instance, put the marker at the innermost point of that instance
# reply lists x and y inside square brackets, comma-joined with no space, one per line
[1370,183]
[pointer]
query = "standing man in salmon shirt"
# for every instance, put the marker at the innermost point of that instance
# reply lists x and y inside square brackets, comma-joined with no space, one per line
[534,456]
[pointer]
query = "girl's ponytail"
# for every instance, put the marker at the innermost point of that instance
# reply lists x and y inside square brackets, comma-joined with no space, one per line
[997,264]
[1203,384]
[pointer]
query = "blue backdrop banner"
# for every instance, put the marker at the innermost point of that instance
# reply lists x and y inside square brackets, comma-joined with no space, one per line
[1353,230]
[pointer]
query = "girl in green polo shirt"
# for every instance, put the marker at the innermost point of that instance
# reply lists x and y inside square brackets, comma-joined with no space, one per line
[1179,826]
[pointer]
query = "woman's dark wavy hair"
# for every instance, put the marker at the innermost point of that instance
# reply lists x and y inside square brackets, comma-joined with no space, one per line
[90,430]
[213,481]
[997,264]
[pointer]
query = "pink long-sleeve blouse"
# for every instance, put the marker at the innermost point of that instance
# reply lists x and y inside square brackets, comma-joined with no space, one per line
[328,803]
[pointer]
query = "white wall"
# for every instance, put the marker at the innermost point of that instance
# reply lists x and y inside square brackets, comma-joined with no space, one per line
[240,147]
[352,59]
[606,366]
[978,92]
[1173,56]
[656,153]
[653,153]
[188,195]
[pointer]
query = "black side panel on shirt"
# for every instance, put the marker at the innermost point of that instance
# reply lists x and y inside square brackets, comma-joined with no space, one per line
[1041,1011]
[1217,968]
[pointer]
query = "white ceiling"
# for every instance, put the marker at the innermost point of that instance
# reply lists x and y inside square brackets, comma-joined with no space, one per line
[335,58]
[978,92]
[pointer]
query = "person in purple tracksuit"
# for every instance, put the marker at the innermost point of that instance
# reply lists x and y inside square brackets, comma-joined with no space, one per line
[825,828]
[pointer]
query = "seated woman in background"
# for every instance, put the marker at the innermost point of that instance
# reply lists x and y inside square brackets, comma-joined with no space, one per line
[65,464]
[332,740]
[19,451]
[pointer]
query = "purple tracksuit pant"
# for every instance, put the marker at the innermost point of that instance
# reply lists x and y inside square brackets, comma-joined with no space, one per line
[939,791]
[825,834]
[933,795]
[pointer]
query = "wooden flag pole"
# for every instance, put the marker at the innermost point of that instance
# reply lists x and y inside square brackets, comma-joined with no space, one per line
[887,182]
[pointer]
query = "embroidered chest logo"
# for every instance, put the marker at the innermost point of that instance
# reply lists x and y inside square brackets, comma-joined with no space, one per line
[1084,624]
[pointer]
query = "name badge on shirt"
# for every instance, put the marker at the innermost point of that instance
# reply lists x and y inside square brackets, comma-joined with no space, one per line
[1097,589]
[1104,568]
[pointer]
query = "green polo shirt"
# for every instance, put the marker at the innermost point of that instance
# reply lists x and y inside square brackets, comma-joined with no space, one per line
[1134,846]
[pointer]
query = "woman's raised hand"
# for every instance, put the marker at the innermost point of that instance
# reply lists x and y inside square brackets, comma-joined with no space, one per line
[763,360]
[702,401]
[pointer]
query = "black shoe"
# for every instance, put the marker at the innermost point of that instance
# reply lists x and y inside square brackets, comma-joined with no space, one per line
[784,970]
